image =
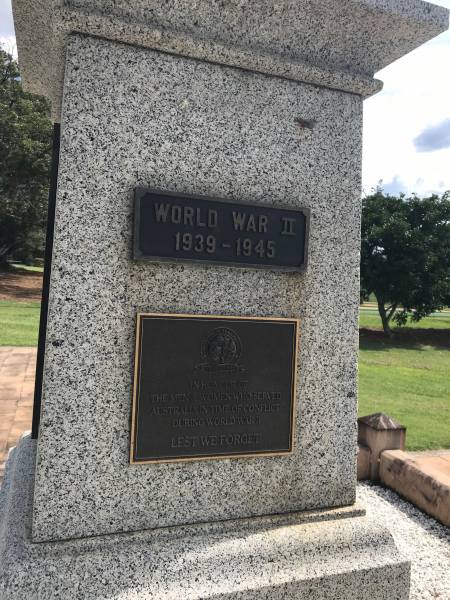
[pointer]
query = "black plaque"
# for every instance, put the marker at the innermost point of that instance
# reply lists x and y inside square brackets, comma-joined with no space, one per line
[178,227]
[212,387]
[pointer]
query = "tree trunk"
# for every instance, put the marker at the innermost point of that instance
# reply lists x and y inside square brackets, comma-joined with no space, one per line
[384,316]
[4,251]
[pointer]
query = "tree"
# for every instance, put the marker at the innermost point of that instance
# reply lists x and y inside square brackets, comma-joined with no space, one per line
[405,255]
[25,157]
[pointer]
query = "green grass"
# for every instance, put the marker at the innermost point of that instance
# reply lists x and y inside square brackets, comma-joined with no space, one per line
[21,267]
[19,323]
[371,318]
[408,377]
[411,383]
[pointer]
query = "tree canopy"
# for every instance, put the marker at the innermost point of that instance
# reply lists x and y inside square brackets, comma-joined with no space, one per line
[405,255]
[25,157]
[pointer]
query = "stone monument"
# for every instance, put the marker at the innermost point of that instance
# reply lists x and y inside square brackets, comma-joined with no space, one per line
[197,432]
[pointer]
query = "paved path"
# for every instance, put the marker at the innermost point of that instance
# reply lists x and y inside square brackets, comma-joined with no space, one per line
[17,366]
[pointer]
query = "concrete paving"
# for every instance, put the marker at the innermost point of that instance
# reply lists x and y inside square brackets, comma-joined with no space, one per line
[17,368]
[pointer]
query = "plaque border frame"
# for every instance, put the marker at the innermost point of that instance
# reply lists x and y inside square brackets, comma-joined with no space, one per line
[137,255]
[137,361]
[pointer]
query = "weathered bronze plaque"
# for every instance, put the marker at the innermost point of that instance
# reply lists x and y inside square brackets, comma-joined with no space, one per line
[178,227]
[212,387]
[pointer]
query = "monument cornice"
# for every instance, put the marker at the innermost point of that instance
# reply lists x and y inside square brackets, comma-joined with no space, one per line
[338,45]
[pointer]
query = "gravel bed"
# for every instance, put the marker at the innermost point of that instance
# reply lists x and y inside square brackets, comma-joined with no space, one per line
[424,541]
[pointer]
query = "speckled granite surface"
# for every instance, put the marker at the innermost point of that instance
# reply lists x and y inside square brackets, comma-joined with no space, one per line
[138,117]
[335,44]
[328,555]
[134,116]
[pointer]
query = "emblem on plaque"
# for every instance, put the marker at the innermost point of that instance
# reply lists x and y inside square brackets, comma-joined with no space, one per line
[213,386]
[221,350]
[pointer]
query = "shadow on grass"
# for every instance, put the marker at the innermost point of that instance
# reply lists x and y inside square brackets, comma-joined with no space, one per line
[407,337]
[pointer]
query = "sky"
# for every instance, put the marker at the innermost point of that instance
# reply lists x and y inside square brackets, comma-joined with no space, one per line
[406,141]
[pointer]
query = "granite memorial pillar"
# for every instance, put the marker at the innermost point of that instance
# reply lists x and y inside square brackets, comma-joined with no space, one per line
[259,105]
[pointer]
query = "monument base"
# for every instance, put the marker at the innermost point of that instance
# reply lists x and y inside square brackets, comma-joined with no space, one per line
[327,554]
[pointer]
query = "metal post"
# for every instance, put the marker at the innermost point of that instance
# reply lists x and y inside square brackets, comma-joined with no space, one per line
[46,282]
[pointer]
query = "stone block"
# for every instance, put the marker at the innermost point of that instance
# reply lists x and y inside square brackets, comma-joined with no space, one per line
[339,45]
[363,462]
[318,555]
[380,432]
[420,480]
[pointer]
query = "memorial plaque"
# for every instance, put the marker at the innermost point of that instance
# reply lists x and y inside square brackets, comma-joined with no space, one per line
[213,387]
[178,227]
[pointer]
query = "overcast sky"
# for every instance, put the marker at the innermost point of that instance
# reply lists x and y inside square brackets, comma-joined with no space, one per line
[406,126]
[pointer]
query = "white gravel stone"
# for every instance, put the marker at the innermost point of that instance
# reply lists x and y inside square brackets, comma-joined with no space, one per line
[420,538]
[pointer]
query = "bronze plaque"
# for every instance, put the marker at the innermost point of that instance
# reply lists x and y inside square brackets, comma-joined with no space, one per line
[179,227]
[213,387]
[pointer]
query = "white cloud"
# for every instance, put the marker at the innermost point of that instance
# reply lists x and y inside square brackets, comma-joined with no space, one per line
[8,43]
[6,19]
[416,97]
[434,137]
[7,34]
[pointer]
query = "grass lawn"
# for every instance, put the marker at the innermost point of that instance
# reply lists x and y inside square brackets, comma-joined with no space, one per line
[408,377]
[371,318]
[20,267]
[19,323]
[411,383]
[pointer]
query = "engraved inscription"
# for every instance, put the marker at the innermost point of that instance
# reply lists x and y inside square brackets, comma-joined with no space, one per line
[211,386]
[171,226]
